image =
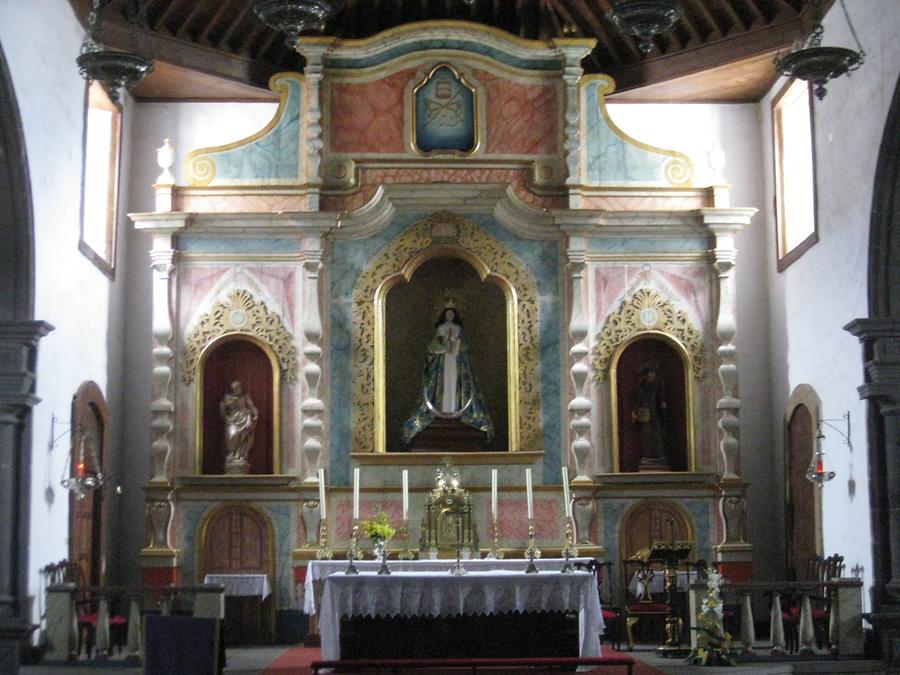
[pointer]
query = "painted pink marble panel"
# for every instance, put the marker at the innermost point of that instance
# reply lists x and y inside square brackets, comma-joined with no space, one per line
[368,507]
[522,119]
[367,117]
[195,283]
[280,282]
[238,203]
[513,517]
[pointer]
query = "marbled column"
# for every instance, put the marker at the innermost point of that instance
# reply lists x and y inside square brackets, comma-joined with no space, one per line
[573,53]
[580,405]
[312,406]
[313,119]
[162,408]
[18,364]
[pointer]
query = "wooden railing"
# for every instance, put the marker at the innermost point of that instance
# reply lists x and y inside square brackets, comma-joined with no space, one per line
[79,617]
[783,613]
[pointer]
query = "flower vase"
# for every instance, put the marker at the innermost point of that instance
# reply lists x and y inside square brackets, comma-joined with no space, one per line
[380,551]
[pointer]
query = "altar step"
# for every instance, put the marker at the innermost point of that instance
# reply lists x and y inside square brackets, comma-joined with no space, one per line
[495,666]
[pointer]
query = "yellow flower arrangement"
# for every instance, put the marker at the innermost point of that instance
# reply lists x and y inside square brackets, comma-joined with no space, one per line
[378,529]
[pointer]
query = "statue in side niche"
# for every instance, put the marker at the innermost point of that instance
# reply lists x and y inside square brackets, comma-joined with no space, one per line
[449,387]
[648,412]
[240,416]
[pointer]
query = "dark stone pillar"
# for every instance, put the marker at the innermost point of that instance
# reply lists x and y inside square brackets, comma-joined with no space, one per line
[18,357]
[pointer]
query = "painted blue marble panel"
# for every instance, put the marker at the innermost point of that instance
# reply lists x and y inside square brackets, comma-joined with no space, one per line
[246,245]
[349,259]
[642,245]
[274,156]
[445,113]
[441,43]
[610,159]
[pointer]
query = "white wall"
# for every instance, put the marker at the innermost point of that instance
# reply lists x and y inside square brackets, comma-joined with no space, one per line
[71,293]
[695,129]
[818,294]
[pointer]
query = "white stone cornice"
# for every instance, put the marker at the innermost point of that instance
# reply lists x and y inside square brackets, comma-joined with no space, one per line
[522,219]
[313,223]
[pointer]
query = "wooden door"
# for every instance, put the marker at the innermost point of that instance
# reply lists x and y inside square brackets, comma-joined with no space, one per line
[802,525]
[88,450]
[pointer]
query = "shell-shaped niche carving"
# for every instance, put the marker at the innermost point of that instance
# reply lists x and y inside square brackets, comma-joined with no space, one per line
[646,311]
[240,313]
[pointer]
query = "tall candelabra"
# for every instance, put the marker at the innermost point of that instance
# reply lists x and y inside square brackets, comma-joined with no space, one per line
[495,553]
[353,553]
[324,553]
[569,550]
[403,535]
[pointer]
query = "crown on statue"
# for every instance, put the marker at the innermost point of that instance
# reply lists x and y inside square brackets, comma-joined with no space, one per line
[450,303]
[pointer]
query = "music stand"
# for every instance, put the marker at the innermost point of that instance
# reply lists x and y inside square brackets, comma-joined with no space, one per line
[671,553]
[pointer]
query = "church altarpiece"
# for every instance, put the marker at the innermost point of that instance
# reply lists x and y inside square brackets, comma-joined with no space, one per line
[310,262]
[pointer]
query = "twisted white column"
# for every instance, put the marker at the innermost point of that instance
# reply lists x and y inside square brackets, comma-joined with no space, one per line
[162,408]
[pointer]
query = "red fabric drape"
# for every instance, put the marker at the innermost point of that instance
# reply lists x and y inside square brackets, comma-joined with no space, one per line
[245,361]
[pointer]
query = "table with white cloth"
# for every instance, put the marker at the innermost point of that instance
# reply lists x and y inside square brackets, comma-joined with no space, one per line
[511,596]
[248,615]
[318,570]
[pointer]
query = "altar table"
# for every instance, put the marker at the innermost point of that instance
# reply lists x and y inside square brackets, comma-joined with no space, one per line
[241,584]
[318,570]
[441,594]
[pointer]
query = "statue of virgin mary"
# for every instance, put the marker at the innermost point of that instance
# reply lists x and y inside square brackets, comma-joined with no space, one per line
[449,388]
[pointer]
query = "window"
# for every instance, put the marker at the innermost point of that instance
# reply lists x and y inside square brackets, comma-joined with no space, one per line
[795,182]
[100,180]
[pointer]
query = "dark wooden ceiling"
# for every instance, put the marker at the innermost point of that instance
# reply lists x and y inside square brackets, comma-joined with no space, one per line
[721,50]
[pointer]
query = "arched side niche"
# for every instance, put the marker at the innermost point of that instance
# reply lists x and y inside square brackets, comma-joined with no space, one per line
[674,385]
[238,357]
[654,520]
[410,302]
[445,234]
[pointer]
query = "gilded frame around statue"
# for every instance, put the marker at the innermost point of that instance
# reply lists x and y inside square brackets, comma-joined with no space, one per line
[199,399]
[689,378]
[512,352]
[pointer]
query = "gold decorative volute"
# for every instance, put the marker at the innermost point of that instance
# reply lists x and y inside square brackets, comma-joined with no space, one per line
[240,313]
[643,312]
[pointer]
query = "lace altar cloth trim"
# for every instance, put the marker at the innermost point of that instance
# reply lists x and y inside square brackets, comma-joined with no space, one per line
[412,594]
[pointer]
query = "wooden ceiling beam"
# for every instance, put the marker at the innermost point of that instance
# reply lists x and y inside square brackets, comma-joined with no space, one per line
[734,16]
[753,8]
[204,34]
[235,22]
[183,31]
[700,6]
[160,22]
[691,61]
[192,56]
[601,32]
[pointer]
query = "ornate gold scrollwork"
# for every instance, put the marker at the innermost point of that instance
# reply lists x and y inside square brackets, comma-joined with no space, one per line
[437,229]
[240,313]
[645,311]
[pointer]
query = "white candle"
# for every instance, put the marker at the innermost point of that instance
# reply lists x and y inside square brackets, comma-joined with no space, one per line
[405,494]
[566,499]
[356,493]
[494,494]
[528,494]
[322,494]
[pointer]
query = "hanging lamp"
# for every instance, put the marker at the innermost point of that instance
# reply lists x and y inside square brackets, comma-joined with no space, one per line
[113,69]
[645,19]
[293,17]
[814,63]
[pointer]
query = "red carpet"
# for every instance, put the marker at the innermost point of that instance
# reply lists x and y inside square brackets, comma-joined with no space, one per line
[296,661]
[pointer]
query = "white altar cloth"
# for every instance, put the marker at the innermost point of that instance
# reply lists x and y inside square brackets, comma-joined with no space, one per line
[442,594]
[241,584]
[318,570]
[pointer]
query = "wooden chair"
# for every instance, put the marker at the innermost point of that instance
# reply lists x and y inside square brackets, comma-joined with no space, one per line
[821,570]
[644,601]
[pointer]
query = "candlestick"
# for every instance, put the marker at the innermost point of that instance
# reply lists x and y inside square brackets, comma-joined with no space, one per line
[356,493]
[403,535]
[494,494]
[567,501]
[528,494]
[570,550]
[405,494]
[353,551]
[323,553]
[322,508]
[532,551]
[495,553]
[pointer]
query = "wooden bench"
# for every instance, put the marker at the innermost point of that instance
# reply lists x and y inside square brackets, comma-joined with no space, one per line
[474,665]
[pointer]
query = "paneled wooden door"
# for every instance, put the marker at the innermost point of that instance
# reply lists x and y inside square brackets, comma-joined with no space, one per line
[802,526]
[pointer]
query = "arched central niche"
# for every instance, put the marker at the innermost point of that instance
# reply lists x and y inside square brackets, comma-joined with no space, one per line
[447,236]
[411,310]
